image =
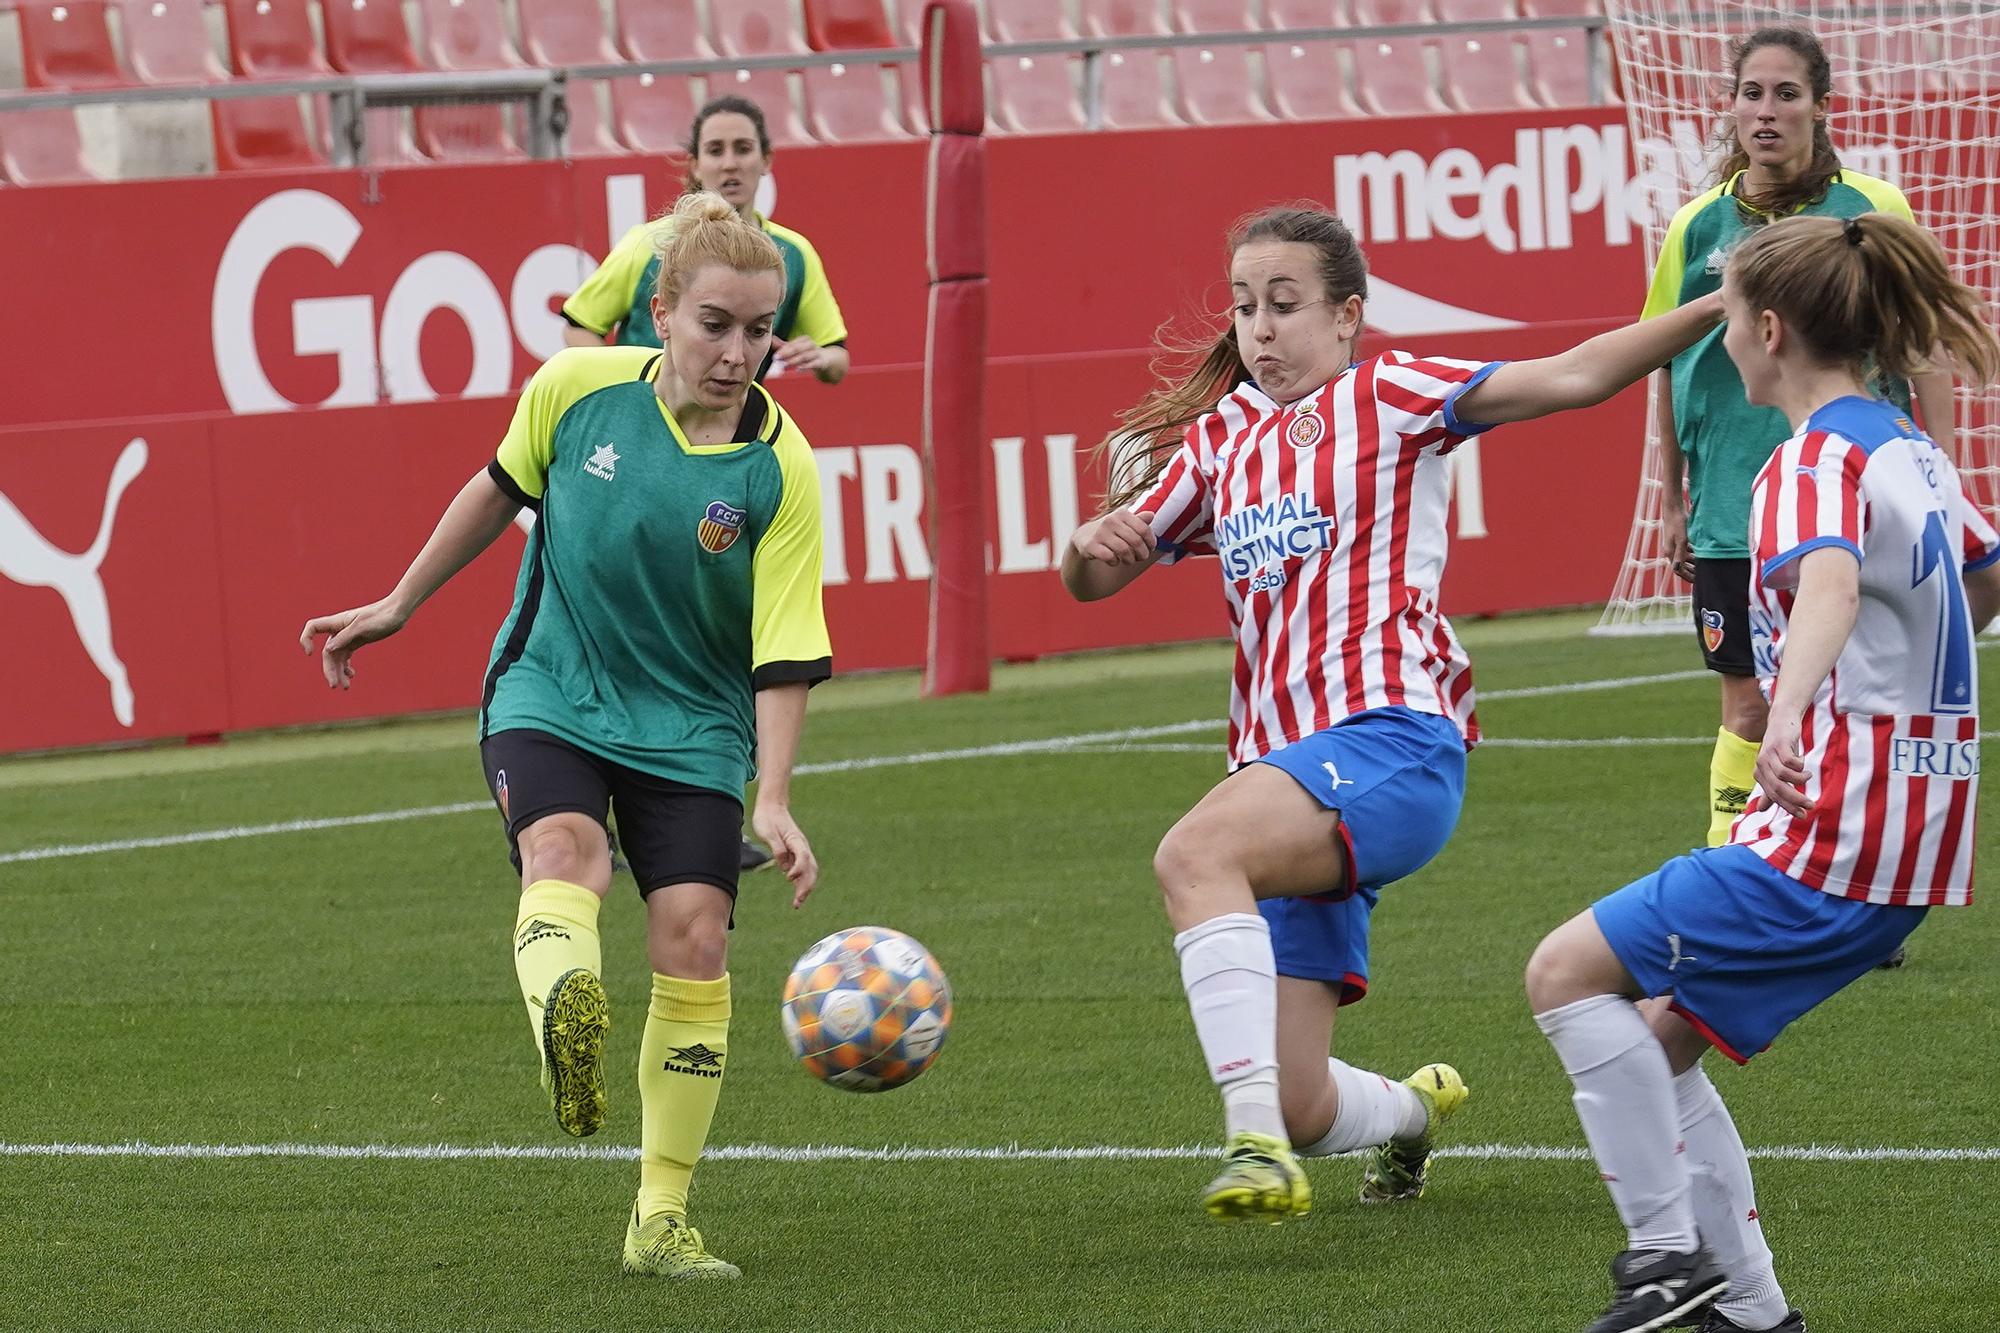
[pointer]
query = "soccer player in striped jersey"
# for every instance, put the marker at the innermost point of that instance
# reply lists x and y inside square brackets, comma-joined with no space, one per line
[666,626]
[1872,573]
[1321,482]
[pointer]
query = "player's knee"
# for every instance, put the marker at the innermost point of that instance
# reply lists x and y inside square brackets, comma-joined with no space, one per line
[1185,858]
[701,949]
[1745,713]
[1550,976]
[559,850]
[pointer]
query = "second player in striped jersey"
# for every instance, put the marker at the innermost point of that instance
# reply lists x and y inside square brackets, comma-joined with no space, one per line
[1320,481]
[1871,574]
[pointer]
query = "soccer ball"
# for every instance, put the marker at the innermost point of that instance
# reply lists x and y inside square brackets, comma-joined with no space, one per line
[866,1009]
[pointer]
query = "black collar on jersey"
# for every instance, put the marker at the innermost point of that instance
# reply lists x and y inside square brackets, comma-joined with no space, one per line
[761,420]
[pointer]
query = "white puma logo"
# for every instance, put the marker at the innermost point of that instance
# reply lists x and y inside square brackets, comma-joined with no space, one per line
[30,559]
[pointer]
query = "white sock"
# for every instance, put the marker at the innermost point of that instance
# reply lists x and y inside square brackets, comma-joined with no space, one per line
[1231,981]
[1625,1099]
[1371,1111]
[1725,1203]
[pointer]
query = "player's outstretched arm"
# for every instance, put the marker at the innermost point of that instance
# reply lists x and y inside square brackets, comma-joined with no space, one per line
[1589,372]
[472,521]
[1829,598]
[1107,553]
[781,718]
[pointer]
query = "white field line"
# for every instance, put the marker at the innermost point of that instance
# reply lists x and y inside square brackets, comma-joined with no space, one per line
[811,1153]
[1047,745]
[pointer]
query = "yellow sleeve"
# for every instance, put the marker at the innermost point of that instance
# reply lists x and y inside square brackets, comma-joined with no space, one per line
[788,639]
[1885,197]
[605,298]
[819,313]
[521,464]
[1671,270]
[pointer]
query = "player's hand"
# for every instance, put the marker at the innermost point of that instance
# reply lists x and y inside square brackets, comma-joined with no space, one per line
[1123,537]
[789,848]
[801,355]
[1674,540]
[1781,769]
[348,630]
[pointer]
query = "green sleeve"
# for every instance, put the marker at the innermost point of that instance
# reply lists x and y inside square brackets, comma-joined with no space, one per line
[605,298]
[819,314]
[788,639]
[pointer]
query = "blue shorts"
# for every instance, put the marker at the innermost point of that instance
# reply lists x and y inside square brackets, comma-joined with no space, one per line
[1742,948]
[1396,777]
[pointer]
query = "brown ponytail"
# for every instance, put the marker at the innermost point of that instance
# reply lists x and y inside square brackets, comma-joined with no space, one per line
[1871,291]
[1825,165]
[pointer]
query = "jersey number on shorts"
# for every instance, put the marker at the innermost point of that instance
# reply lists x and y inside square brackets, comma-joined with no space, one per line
[1951,680]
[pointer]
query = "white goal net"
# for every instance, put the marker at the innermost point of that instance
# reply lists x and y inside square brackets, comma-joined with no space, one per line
[1916,101]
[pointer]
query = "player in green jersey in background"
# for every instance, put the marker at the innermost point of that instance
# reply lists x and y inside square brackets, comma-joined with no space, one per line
[1781,163]
[667,624]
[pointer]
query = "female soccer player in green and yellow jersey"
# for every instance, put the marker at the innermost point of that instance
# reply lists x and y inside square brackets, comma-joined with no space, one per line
[666,626]
[1781,163]
[729,154]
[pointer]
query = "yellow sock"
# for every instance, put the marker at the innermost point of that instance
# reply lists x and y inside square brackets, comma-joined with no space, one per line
[1732,775]
[681,1060]
[556,931]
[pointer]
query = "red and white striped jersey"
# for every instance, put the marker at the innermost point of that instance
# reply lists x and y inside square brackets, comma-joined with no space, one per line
[1891,741]
[1329,518]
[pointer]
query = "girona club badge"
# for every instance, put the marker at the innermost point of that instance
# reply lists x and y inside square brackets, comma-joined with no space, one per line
[1711,629]
[1306,428]
[718,528]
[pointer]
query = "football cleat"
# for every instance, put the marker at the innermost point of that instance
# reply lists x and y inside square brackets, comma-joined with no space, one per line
[666,1246]
[574,1019]
[1718,1322]
[1399,1168]
[750,857]
[1260,1180]
[1659,1289]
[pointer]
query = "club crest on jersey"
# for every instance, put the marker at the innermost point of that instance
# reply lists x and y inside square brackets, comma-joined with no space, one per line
[718,527]
[1711,629]
[1307,428]
[1290,527]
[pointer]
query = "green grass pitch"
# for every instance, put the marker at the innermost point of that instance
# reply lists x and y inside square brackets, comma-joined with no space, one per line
[350,986]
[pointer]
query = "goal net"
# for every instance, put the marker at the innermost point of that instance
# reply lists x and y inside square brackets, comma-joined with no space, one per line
[1916,101]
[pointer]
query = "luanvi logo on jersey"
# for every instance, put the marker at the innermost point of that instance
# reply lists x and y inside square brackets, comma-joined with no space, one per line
[538,929]
[603,463]
[32,560]
[718,527]
[697,1060]
[1288,528]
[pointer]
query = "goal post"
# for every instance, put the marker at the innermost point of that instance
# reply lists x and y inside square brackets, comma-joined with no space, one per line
[1916,101]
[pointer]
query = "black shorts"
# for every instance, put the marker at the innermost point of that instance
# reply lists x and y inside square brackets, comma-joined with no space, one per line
[671,833]
[1722,615]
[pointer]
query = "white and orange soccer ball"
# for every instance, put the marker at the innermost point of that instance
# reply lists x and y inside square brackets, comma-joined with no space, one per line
[867,1009]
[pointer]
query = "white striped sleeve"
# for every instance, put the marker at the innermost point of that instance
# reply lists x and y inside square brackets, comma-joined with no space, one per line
[1813,499]
[1417,395]
[1982,543]
[1180,504]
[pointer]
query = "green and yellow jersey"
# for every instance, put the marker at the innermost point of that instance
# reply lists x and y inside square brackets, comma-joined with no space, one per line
[1726,440]
[664,582]
[620,294]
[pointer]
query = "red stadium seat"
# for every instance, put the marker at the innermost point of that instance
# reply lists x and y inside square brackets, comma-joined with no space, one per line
[68,45]
[261,134]
[467,34]
[1216,16]
[1369,13]
[910,87]
[1473,11]
[1122,18]
[1135,95]
[756,28]
[1307,82]
[272,38]
[1480,73]
[847,25]
[652,115]
[1028,21]
[1285,15]
[370,37]
[166,41]
[848,104]
[1561,9]
[909,22]
[1393,77]
[565,32]
[367,37]
[771,90]
[1559,67]
[661,30]
[1036,94]
[42,147]
[1217,87]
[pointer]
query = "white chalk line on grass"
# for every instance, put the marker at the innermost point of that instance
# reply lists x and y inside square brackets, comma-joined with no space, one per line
[807,1154]
[1087,742]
